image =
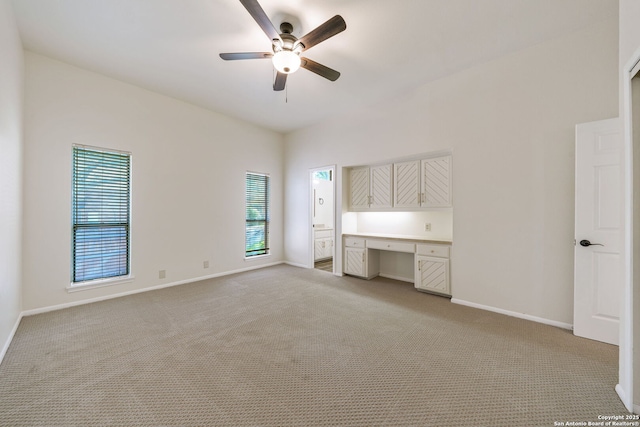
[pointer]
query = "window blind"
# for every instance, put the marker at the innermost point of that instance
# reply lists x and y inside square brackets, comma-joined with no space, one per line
[257,215]
[101,213]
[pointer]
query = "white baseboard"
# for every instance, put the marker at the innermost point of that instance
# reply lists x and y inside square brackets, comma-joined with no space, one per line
[514,314]
[295,264]
[625,400]
[400,278]
[10,337]
[138,291]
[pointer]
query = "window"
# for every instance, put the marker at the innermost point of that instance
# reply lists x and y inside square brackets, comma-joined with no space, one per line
[101,212]
[257,215]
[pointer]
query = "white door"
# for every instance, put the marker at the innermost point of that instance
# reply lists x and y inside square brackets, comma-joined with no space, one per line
[598,275]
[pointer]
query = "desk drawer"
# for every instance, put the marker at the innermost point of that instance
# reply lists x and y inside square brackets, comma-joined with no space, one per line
[354,242]
[441,251]
[390,245]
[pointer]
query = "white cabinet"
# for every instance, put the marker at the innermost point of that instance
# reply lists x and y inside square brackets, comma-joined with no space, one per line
[432,269]
[359,188]
[431,260]
[370,187]
[381,188]
[323,249]
[323,244]
[436,182]
[355,261]
[358,260]
[415,184]
[407,192]
[422,184]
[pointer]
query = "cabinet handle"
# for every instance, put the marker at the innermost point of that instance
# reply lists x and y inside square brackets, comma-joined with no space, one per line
[362,256]
[422,198]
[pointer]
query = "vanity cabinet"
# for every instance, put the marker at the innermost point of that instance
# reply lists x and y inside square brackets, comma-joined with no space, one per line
[371,187]
[323,244]
[423,183]
[432,269]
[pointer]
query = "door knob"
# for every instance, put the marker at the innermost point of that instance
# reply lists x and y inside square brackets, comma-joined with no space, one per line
[586,243]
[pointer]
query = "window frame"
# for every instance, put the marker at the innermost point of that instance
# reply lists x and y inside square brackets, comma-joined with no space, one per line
[75,225]
[266,251]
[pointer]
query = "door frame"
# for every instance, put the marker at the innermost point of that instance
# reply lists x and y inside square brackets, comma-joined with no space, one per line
[332,168]
[625,385]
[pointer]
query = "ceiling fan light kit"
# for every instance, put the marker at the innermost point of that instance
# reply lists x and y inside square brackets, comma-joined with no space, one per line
[286,61]
[287,48]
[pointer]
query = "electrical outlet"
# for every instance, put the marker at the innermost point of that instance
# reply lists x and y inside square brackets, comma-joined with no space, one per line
[205,264]
[162,274]
[427,226]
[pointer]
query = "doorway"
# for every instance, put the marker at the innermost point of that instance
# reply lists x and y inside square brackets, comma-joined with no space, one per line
[322,209]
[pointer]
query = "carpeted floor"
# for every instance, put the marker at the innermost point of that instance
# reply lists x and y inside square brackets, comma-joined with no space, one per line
[284,346]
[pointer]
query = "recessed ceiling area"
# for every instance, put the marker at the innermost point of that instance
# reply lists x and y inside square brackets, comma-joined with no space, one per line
[172,47]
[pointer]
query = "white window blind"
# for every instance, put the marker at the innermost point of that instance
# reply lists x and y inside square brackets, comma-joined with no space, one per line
[257,215]
[101,213]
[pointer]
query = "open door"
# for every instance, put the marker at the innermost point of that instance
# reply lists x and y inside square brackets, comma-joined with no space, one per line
[598,276]
[323,217]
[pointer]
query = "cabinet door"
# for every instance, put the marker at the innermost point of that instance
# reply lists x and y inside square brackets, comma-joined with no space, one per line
[432,274]
[406,184]
[359,187]
[436,182]
[328,247]
[354,261]
[381,188]
[318,249]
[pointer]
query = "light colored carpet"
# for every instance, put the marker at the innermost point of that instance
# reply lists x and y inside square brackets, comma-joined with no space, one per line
[285,346]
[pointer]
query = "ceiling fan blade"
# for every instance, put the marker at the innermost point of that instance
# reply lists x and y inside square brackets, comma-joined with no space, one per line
[245,55]
[319,69]
[255,10]
[330,28]
[281,81]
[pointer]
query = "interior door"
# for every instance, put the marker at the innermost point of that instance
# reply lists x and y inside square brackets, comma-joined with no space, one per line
[598,275]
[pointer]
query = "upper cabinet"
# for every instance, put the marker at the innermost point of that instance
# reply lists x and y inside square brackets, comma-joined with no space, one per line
[370,187]
[415,184]
[436,182]
[359,188]
[407,190]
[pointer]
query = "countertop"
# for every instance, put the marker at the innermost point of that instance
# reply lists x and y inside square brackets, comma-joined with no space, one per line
[420,239]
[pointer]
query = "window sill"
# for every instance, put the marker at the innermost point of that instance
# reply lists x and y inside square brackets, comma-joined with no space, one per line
[99,283]
[249,258]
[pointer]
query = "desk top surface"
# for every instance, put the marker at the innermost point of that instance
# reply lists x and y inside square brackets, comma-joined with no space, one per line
[401,237]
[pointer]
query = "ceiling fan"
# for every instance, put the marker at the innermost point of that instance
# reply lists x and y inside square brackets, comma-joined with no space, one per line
[287,48]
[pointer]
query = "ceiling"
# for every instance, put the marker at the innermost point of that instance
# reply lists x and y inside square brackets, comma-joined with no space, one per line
[172,46]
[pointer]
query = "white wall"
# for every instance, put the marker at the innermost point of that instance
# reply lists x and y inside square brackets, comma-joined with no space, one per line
[187,182]
[11,88]
[510,124]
